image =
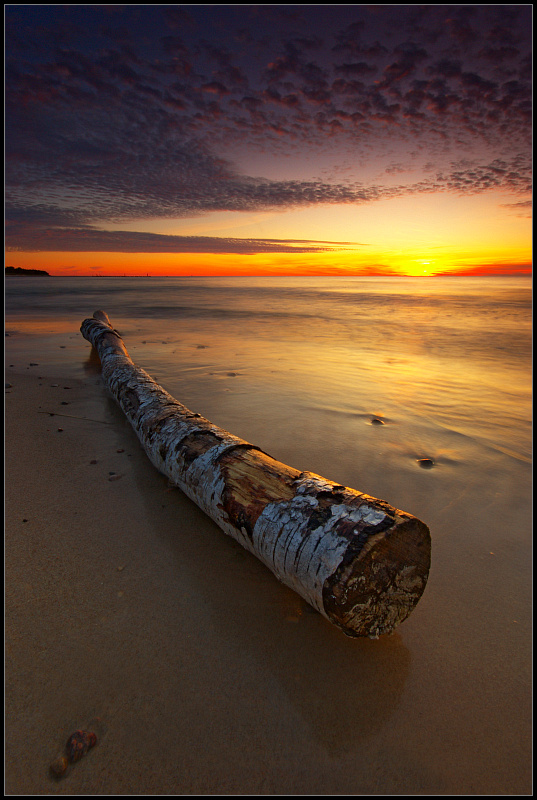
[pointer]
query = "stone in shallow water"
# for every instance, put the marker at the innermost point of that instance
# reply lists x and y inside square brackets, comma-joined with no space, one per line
[426,463]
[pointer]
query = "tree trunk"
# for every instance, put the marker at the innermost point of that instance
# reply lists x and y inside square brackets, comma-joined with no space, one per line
[360,562]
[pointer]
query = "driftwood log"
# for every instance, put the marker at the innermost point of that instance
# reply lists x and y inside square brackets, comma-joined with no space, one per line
[360,562]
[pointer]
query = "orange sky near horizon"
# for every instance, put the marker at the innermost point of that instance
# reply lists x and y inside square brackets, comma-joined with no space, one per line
[437,234]
[269,264]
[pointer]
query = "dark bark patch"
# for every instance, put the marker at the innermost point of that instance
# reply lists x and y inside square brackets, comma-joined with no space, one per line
[129,399]
[323,512]
[195,444]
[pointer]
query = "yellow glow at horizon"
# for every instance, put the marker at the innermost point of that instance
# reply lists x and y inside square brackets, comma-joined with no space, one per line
[428,219]
[415,235]
[344,263]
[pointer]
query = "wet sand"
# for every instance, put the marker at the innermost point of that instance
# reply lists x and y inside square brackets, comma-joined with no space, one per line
[127,610]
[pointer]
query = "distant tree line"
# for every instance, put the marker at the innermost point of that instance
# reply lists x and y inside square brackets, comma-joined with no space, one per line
[21,271]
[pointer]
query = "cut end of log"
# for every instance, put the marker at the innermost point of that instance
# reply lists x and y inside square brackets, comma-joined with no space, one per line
[373,592]
[102,317]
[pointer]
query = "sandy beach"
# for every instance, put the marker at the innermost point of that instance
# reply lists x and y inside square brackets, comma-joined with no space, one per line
[128,612]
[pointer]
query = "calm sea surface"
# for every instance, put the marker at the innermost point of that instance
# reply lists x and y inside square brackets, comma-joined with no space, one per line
[448,355]
[302,366]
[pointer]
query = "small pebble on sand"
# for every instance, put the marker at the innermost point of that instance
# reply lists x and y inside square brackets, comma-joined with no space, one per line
[59,766]
[376,421]
[78,745]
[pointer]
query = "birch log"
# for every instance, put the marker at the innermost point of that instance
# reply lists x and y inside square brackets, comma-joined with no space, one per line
[360,562]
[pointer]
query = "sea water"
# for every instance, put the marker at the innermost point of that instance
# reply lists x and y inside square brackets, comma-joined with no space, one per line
[446,359]
[363,380]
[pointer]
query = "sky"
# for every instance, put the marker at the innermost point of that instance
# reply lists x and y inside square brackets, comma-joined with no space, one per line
[268,139]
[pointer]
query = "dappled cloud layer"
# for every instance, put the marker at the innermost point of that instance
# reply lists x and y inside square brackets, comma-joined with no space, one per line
[121,113]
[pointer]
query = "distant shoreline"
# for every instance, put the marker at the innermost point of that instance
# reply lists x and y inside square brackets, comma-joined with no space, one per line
[32,272]
[20,271]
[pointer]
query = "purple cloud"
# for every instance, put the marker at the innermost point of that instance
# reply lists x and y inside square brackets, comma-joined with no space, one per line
[125,112]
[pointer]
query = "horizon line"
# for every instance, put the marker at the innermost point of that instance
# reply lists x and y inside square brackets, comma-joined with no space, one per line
[466,274]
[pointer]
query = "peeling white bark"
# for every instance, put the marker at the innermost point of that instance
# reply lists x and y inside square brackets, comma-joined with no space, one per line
[360,562]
